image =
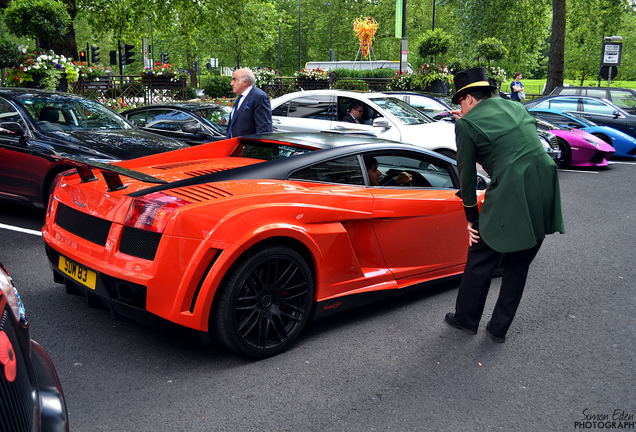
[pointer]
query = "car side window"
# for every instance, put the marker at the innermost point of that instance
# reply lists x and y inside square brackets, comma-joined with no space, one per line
[597,93]
[9,114]
[597,107]
[623,99]
[565,104]
[139,118]
[344,170]
[424,170]
[555,118]
[167,120]
[281,110]
[315,107]
[368,113]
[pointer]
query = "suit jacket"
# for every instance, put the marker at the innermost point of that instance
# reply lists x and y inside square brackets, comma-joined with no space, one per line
[253,116]
[522,203]
[350,119]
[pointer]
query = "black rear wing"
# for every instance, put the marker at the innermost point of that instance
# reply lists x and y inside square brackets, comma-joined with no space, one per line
[112,173]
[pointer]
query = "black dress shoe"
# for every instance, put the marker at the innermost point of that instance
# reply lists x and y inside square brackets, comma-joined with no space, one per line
[494,337]
[452,321]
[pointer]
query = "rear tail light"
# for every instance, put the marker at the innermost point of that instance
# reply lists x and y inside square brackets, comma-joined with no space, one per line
[152,212]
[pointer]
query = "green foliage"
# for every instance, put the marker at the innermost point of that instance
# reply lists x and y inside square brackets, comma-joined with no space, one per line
[190,93]
[9,54]
[434,43]
[41,19]
[351,84]
[491,49]
[218,86]
[338,74]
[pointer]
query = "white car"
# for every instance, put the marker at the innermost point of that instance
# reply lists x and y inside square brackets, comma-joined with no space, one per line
[385,116]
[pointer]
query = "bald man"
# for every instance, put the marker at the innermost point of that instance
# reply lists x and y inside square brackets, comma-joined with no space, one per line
[252,112]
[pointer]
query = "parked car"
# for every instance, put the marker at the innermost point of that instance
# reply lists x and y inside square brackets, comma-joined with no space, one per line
[578,148]
[621,97]
[250,237]
[550,144]
[36,125]
[600,111]
[31,396]
[624,144]
[426,104]
[190,122]
[385,116]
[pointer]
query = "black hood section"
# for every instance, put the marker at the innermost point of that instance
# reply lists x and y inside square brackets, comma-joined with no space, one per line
[118,144]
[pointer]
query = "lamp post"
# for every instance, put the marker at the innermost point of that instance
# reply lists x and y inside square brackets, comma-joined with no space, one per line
[433,19]
[332,53]
[298,35]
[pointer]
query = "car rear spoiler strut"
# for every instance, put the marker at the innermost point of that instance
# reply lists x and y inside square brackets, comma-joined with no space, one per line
[110,172]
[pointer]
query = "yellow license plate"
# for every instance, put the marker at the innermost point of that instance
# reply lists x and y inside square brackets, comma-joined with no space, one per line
[77,272]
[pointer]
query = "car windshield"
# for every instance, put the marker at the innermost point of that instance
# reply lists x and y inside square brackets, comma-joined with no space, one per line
[403,111]
[265,150]
[63,113]
[218,116]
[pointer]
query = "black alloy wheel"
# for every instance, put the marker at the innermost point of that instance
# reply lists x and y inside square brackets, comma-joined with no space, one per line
[265,303]
[566,154]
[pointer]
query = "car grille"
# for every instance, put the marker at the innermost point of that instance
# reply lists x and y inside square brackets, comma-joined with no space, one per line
[139,243]
[16,403]
[88,227]
[554,142]
[197,173]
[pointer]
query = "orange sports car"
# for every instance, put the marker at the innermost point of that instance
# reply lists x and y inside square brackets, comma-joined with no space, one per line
[249,238]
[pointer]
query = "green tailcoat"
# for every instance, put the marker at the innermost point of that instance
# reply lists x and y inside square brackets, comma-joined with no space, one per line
[522,203]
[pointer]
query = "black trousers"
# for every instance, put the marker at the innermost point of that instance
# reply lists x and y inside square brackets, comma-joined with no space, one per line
[475,283]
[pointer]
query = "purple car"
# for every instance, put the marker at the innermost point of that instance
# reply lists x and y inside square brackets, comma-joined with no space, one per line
[578,148]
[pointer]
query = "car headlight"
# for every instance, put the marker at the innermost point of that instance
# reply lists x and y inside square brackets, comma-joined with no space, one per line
[11,293]
[594,143]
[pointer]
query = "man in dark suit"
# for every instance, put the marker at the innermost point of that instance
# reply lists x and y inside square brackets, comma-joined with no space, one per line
[252,112]
[522,204]
[354,113]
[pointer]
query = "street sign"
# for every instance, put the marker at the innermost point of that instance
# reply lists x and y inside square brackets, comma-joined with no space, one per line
[606,70]
[611,54]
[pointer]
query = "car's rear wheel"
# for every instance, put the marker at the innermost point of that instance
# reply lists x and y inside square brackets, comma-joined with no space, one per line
[265,303]
[566,154]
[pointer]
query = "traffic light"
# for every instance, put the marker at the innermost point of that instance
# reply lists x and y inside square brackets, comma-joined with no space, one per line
[164,58]
[113,57]
[128,54]
[82,56]
[94,54]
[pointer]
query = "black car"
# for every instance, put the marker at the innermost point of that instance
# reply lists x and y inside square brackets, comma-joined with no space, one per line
[190,122]
[624,98]
[600,111]
[36,126]
[31,396]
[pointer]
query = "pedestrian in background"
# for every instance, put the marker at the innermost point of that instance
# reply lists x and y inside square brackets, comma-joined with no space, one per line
[252,112]
[521,206]
[517,91]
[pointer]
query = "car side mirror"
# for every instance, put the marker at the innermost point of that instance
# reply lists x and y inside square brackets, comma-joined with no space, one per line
[381,122]
[192,127]
[482,182]
[616,114]
[11,128]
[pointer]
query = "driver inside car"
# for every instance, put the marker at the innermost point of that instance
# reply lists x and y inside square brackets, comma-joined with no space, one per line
[376,177]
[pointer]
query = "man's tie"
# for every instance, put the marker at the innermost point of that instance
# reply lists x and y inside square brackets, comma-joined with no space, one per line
[236,105]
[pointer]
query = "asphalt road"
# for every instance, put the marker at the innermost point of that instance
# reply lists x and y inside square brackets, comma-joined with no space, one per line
[393,366]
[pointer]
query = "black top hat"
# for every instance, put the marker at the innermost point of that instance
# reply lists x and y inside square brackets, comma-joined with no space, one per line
[470,79]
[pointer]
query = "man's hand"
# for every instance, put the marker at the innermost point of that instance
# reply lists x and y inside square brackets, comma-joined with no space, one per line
[473,234]
[457,114]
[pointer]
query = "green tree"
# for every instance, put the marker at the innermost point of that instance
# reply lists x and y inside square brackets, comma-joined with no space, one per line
[44,20]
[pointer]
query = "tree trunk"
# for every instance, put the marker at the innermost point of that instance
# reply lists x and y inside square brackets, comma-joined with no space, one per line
[67,46]
[557,47]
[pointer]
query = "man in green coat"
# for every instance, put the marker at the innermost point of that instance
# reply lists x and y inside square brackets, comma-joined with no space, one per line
[522,203]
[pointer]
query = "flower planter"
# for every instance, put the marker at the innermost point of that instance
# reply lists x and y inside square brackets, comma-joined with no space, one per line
[437,86]
[312,84]
[101,83]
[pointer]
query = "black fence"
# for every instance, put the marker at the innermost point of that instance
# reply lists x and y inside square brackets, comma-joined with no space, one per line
[122,91]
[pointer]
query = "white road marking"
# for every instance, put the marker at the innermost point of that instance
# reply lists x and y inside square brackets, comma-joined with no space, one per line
[622,163]
[578,171]
[24,230]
